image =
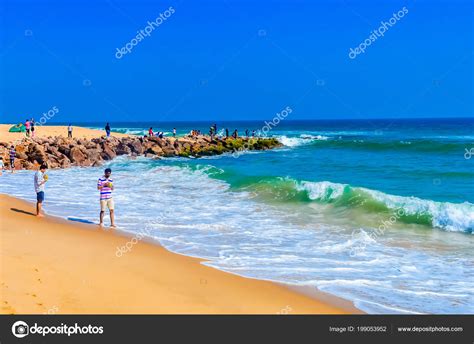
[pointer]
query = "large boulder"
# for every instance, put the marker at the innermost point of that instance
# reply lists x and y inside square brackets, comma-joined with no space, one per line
[36,152]
[64,149]
[107,152]
[169,151]
[136,146]
[64,162]
[94,154]
[77,156]
[155,149]
[123,149]
[157,140]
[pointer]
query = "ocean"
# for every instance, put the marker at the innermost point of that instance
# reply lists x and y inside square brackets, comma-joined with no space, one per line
[380,212]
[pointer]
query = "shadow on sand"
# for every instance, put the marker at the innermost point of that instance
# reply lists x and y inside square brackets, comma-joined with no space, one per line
[22,211]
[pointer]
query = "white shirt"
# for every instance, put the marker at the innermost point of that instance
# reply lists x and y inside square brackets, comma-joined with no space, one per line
[39,178]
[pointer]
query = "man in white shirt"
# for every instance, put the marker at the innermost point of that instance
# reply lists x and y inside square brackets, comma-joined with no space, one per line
[69,130]
[40,180]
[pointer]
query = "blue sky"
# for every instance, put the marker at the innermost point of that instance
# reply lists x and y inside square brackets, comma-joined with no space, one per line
[231,60]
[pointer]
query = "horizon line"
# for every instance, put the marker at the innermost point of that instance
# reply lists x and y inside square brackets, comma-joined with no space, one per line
[263,120]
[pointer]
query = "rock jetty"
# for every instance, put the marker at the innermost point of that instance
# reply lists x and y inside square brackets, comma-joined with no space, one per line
[61,152]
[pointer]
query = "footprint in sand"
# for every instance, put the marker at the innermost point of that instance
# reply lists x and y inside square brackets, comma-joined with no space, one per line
[7,309]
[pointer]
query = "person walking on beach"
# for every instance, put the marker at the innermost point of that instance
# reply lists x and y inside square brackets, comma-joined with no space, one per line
[2,165]
[174,132]
[32,125]
[12,157]
[69,130]
[105,186]
[27,127]
[40,179]
[107,129]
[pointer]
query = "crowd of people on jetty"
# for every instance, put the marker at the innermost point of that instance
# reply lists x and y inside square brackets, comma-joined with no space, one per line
[213,133]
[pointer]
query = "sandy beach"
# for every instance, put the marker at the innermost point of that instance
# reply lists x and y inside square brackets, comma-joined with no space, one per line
[53,130]
[51,265]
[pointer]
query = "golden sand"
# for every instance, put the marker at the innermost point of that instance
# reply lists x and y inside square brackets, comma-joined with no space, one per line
[53,130]
[51,265]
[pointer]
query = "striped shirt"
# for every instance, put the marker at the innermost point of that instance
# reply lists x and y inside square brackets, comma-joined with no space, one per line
[12,154]
[106,191]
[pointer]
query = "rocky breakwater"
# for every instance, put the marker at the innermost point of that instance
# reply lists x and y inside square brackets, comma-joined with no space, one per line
[61,152]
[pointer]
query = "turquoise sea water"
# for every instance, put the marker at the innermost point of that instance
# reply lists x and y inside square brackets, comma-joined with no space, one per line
[379,212]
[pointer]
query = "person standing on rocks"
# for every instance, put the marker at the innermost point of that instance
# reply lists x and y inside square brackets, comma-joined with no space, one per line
[27,127]
[105,186]
[174,132]
[107,129]
[69,130]
[40,179]
[32,124]
[211,132]
[12,157]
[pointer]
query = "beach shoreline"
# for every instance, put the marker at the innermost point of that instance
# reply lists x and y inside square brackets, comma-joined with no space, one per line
[54,266]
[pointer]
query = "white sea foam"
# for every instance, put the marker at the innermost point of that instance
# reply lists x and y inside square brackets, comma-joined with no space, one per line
[193,214]
[303,139]
[448,216]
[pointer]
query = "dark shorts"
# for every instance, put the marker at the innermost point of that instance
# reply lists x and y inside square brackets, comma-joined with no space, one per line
[40,196]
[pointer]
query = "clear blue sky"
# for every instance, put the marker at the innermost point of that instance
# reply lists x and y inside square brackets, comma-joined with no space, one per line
[231,60]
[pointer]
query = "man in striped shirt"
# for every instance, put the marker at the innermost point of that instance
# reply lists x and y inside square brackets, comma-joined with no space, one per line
[105,186]
[12,157]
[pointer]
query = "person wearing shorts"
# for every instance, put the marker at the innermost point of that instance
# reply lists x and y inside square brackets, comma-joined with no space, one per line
[40,180]
[32,125]
[105,186]
[27,127]
[12,157]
